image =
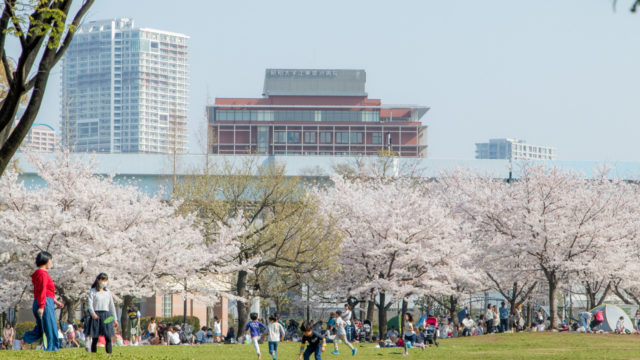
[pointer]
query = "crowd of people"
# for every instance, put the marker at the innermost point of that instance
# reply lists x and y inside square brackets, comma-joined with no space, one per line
[100,328]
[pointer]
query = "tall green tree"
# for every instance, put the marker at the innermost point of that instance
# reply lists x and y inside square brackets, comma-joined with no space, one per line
[44,30]
[285,232]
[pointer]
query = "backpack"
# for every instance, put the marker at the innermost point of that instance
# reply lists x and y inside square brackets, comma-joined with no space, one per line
[599,316]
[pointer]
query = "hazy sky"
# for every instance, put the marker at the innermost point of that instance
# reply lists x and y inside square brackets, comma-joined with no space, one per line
[564,73]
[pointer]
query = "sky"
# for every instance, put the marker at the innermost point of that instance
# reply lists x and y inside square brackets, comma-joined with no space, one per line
[563,73]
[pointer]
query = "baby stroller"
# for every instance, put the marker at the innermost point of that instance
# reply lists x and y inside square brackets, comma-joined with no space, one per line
[431,331]
[365,333]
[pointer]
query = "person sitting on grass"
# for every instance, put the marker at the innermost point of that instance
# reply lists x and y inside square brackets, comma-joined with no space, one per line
[173,336]
[8,335]
[231,337]
[468,326]
[316,344]
[620,325]
[201,335]
[392,334]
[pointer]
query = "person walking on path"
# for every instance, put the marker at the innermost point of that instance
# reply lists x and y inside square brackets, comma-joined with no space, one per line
[341,334]
[504,317]
[44,304]
[101,308]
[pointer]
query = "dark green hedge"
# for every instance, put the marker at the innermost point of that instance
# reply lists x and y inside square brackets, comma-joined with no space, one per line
[23,327]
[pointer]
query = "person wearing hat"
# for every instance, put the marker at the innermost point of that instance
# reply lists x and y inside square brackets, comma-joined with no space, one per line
[103,313]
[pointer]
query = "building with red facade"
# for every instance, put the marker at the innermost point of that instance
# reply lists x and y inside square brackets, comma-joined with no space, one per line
[315,112]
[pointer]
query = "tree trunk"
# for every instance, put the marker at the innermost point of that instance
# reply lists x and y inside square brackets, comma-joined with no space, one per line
[529,315]
[382,315]
[405,309]
[590,295]
[12,143]
[127,300]
[371,304]
[453,310]
[553,305]
[71,311]
[241,288]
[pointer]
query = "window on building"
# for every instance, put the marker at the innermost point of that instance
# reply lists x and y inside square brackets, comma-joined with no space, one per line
[293,137]
[309,137]
[325,137]
[167,305]
[279,137]
[376,138]
[342,138]
[356,137]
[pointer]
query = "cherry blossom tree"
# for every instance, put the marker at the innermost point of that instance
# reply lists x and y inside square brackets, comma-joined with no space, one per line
[564,222]
[397,240]
[92,224]
[473,197]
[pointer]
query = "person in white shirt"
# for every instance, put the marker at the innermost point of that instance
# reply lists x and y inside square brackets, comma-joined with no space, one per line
[276,334]
[392,335]
[101,308]
[489,319]
[468,325]
[71,336]
[620,325]
[173,336]
[217,329]
[346,316]
[341,334]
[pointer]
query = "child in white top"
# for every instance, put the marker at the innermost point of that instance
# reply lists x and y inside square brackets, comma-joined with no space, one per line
[620,325]
[276,334]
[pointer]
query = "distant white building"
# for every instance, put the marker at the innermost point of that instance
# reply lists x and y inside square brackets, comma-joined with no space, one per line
[124,89]
[511,149]
[41,138]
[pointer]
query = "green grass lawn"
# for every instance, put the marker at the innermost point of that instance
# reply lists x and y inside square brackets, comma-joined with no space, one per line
[507,346]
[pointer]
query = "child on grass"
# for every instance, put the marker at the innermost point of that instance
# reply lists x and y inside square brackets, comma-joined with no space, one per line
[276,334]
[254,331]
[316,343]
[341,334]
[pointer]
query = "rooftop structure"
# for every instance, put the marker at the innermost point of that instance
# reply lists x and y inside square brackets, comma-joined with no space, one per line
[315,112]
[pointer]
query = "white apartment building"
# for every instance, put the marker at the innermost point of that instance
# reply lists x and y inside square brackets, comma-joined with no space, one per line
[511,149]
[124,89]
[41,138]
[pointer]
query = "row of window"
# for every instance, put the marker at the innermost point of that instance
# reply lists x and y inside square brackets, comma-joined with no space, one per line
[326,137]
[297,115]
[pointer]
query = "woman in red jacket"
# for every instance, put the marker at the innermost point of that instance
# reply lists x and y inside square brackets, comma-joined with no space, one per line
[44,305]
